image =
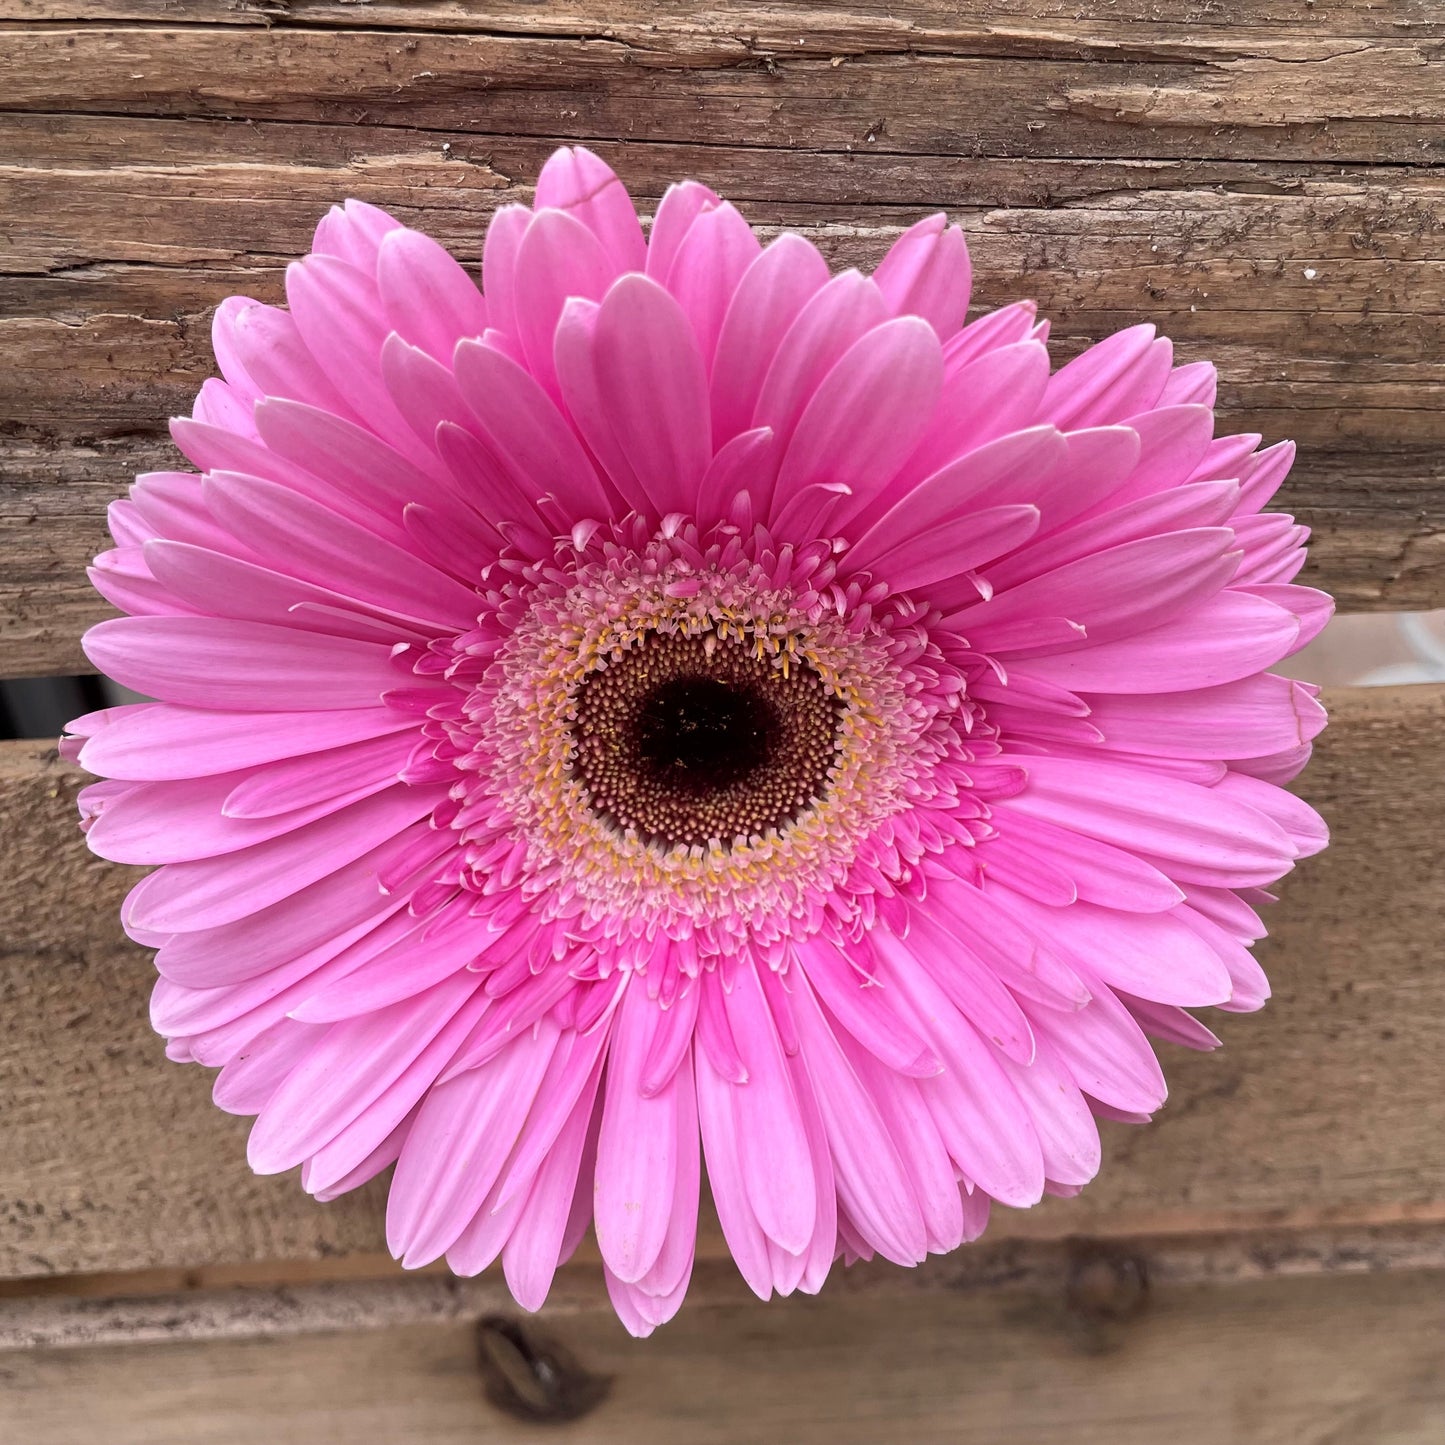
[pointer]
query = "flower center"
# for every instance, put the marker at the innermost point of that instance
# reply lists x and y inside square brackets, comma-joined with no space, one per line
[693,740]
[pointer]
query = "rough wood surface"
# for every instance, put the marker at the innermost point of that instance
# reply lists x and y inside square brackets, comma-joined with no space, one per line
[1310,1361]
[1320,1110]
[1265,180]
[64,1313]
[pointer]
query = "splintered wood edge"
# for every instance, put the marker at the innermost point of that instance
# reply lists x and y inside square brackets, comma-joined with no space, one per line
[1084,1269]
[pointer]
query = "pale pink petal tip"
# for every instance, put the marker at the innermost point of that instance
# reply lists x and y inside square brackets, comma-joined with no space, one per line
[669,717]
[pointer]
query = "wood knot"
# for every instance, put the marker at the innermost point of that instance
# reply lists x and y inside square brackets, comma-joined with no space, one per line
[533,1378]
[1105,1291]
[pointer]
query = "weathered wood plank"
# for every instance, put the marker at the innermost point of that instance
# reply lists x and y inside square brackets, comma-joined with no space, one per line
[1285,1362]
[1260,97]
[1132,25]
[1317,294]
[366,1293]
[1325,1107]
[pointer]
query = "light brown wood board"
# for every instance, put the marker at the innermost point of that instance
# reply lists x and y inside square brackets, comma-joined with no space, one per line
[1297,1361]
[1325,1108]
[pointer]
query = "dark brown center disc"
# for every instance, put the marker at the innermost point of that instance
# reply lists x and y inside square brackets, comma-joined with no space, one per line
[686,744]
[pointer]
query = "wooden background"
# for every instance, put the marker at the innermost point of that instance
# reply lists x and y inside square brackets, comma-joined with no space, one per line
[1265,179]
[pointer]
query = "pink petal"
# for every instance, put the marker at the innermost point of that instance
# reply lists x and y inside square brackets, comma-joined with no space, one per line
[535,1247]
[1151,955]
[1187,826]
[577,378]
[325,1176]
[1004,327]
[429,300]
[585,186]
[354,232]
[558,258]
[866,415]
[1105,1051]
[1112,594]
[773,1152]
[169,504]
[1311,608]
[1262,475]
[347,1069]
[499,265]
[1173,440]
[746,1241]
[1201,504]
[651,381]
[865,1009]
[1253,717]
[997,935]
[736,469]
[262,348]
[424,390]
[177,822]
[224,406]
[994,397]
[339,315]
[1068,1136]
[1173,1025]
[975,990]
[1306,829]
[768,299]
[1191,385]
[1010,471]
[458,1146]
[680,206]
[930,1171]
[214,584]
[247,666]
[524,424]
[927,273]
[667,1280]
[356,465]
[1120,377]
[158,740]
[955,548]
[872,1181]
[1100,872]
[183,897]
[845,310]
[245,1084]
[711,260]
[637,1158]
[1227,636]
[314,543]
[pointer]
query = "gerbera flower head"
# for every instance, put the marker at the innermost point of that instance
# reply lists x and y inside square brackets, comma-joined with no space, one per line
[675,704]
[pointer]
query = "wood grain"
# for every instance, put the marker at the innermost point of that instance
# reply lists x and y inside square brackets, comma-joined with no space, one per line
[1098,1278]
[1142,90]
[1310,1361]
[920,24]
[1319,1110]
[1264,181]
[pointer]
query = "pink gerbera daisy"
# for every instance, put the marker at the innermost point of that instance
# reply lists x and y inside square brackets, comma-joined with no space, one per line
[684,705]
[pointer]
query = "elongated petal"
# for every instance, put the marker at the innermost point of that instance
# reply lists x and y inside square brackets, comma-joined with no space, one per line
[585,186]
[867,414]
[249,666]
[768,299]
[430,300]
[651,380]
[926,273]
